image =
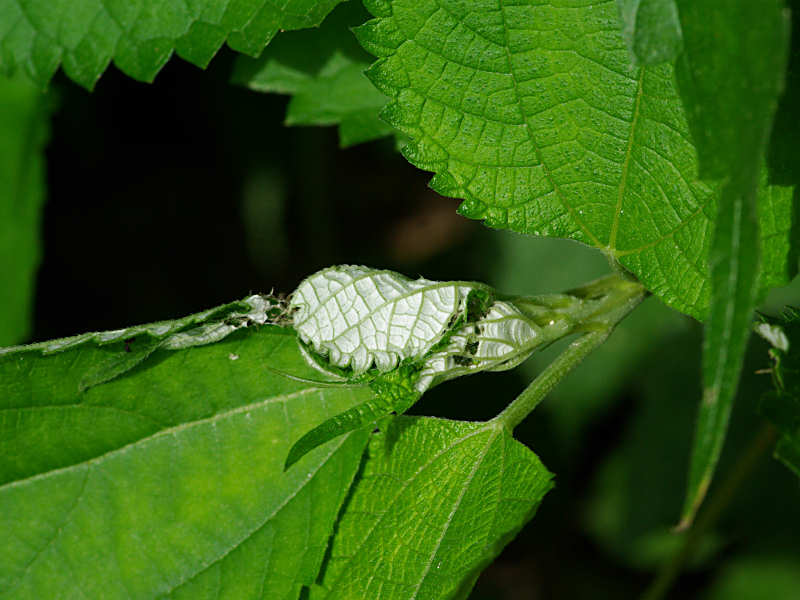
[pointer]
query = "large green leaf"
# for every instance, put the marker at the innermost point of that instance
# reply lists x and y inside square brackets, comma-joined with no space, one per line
[533,114]
[327,85]
[23,134]
[83,36]
[168,480]
[435,503]
[731,93]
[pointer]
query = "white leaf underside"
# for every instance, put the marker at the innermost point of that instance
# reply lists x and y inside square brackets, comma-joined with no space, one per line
[359,317]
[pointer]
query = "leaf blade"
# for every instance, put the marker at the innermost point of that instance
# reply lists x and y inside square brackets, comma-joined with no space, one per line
[200,482]
[735,272]
[40,35]
[476,487]
[731,94]
[545,132]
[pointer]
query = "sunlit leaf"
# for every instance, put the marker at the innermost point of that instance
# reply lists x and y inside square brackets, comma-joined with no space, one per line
[435,503]
[169,480]
[84,36]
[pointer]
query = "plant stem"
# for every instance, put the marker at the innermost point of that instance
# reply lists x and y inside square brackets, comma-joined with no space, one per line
[605,303]
[722,497]
[530,398]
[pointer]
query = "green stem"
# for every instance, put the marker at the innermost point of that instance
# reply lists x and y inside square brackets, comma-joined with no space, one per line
[604,303]
[530,398]
[714,509]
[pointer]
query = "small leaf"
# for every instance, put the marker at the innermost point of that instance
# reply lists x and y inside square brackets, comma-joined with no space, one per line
[328,85]
[395,392]
[651,29]
[23,135]
[193,330]
[436,502]
[177,466]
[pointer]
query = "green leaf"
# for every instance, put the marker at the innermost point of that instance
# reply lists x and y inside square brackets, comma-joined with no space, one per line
[436,502]
[327,85]
[782,405]
[169,480]
[535,117]
[651,29]
[23,135]
[395,392]
[734,292]
[83,36]
[730,77]
[731,94]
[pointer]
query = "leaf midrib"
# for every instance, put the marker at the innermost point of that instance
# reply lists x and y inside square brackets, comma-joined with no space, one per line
[612,236]
[495,431]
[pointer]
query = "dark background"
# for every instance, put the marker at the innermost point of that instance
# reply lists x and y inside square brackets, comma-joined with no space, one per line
[170,198]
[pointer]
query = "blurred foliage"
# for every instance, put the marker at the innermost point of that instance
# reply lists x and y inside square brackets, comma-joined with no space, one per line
[23,135]
[757,577]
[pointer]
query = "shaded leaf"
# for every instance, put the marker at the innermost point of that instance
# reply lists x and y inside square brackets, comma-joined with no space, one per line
[327,85]
[168,480]
[84,36]
[23,135]
[533,115]
[435,503]
[731,93]
[784,152]
[652,30]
